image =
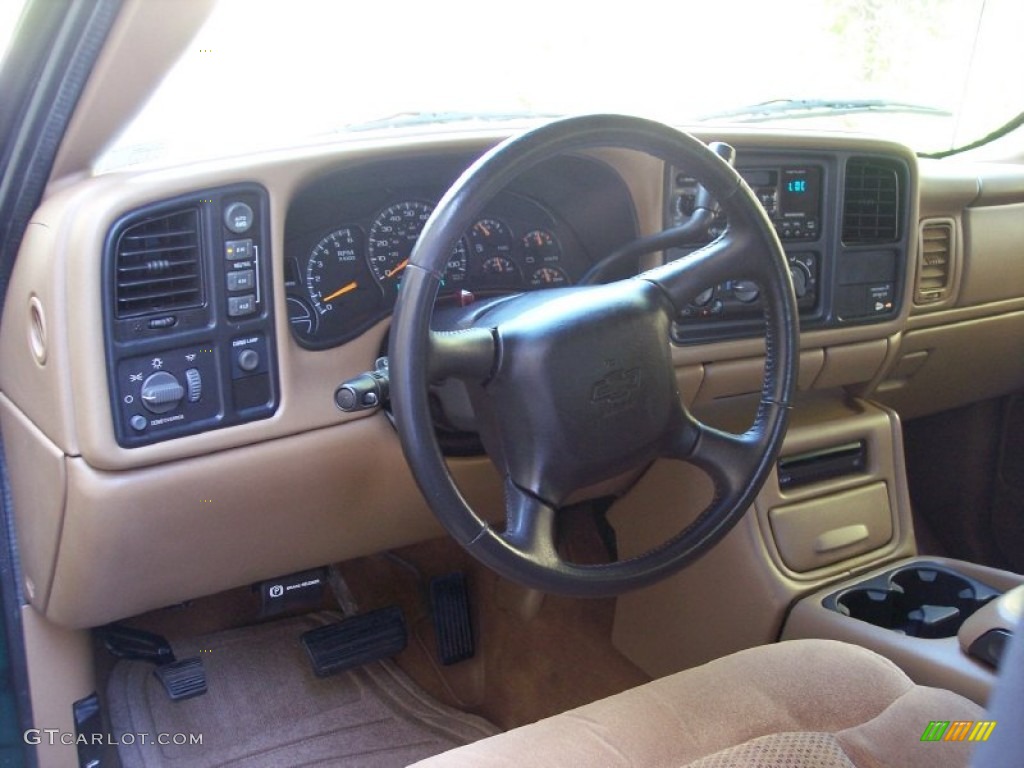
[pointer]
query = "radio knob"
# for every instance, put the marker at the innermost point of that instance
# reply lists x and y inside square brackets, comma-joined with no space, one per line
[800,278]
[161,392]
[746,290]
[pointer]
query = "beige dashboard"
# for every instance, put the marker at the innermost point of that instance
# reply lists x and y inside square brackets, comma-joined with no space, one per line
[107,531]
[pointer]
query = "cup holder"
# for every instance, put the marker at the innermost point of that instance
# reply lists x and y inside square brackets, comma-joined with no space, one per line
[920,600]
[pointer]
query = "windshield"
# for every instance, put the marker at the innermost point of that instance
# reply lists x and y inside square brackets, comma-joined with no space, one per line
[263,74]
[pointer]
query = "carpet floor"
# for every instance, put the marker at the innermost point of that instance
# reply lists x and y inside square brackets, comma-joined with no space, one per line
[265,707]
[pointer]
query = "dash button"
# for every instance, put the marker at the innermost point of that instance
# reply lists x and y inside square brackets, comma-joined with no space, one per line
[248,360]
[240,306]
[238,217]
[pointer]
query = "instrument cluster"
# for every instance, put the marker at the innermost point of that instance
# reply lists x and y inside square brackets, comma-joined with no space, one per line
[342,279]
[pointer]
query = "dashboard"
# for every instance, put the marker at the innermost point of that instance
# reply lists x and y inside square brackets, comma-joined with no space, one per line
[187,298]
[190,296]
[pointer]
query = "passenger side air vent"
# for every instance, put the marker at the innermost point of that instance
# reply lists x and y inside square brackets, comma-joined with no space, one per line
[934,261]
[871,202]
[158,265]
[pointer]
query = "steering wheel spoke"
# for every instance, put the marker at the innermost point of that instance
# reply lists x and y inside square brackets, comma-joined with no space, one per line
[467,354]
[728,458]
[530,526]
[735,255]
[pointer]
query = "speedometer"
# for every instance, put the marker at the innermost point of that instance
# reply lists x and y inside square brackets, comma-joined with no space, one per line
[392,236]
[458,264]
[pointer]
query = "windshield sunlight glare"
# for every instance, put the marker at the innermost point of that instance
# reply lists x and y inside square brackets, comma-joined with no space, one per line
[264,73]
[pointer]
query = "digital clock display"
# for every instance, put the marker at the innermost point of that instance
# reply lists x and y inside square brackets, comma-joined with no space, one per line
[799,189]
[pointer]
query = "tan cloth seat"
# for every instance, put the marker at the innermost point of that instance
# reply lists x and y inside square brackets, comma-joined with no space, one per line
[803,703]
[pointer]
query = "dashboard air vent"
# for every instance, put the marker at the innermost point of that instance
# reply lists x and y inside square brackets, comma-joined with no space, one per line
[934,261]
[871,202]
[157,265]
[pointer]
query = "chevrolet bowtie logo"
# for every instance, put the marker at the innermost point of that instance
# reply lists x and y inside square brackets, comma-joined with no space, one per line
[616,388]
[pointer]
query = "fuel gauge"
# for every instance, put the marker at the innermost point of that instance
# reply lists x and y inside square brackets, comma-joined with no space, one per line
[489,238]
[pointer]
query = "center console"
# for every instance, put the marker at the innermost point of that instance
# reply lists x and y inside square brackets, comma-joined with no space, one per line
[835,518]
[944,622]
[827,551]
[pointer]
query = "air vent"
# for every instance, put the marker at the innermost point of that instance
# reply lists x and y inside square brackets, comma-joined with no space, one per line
[934,261]
[158,265]
[871,202]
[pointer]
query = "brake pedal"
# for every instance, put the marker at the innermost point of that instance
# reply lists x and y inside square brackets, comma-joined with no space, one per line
[453,622]
[356,640]
[183,679]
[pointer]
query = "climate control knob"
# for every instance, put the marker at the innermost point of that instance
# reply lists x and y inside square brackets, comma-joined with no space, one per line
[745,290]
[704,297]
[800,278]
[161,392]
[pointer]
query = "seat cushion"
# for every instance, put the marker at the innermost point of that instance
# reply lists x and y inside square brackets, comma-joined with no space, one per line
[792,750]
[868,706]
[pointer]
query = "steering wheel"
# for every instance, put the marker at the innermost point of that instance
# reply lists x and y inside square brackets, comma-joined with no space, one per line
[574,386]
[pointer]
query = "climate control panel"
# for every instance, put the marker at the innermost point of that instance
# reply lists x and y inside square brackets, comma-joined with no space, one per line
[742,298]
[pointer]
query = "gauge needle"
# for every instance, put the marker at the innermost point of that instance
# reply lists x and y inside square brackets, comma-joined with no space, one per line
[398,268]
[341,291]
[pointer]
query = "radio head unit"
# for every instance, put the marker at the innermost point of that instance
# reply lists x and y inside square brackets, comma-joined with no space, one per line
[790,195]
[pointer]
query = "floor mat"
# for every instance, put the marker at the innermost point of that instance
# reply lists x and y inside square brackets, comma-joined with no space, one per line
[265,707]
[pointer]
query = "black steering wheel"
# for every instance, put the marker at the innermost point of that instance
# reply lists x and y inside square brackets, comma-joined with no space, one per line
[576,385]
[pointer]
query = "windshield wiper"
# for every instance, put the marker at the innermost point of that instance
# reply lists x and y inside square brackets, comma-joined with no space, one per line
[406,119]
[796,109]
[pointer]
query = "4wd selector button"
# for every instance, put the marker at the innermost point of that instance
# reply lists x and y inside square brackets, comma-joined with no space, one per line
[238,217]
[161,392]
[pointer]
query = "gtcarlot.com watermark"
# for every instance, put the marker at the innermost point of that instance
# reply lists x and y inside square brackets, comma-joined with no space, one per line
[52,736]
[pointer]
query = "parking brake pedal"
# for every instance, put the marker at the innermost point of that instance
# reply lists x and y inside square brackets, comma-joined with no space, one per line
[356,640]
[181,680]
[136,644]
[453,625]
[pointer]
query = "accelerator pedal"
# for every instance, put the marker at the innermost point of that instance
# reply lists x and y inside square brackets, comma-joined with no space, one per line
[356,640]
[453,623]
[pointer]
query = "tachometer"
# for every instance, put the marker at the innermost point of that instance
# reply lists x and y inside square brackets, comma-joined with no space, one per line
[336,279]
[392,236]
